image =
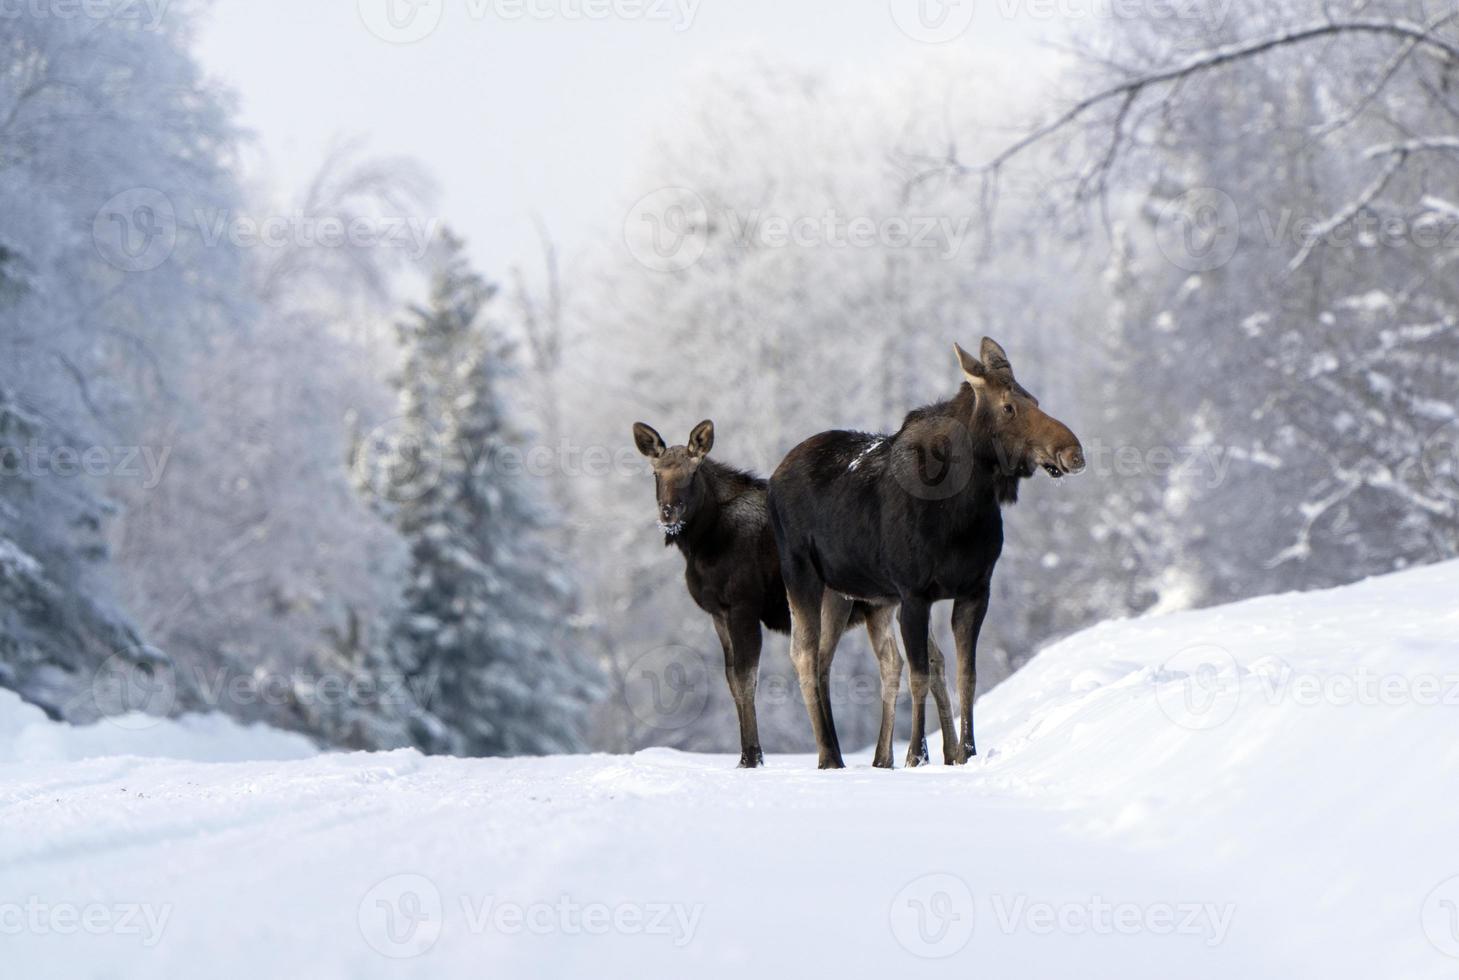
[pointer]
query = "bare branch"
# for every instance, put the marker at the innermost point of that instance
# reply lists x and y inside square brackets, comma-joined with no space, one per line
[1205,61]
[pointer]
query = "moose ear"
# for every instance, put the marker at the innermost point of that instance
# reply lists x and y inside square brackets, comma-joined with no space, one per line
[701,440]
[995,358]
[649,442]
[973,369]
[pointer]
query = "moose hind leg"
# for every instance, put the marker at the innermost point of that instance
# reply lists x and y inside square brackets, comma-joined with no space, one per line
[914,617]
[835,612]
[805,636]
[889,661]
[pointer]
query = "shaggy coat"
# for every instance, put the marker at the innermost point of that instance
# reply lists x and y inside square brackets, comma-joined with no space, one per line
[914,518]
[718,517]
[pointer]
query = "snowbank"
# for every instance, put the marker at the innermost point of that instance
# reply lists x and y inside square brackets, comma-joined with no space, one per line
[27,735]
[1260,790]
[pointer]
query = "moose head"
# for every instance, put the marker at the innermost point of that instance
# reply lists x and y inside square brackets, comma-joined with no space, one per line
[1022,435]
[676,472]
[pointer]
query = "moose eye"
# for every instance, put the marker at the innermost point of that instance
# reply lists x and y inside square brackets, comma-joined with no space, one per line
[1008,408]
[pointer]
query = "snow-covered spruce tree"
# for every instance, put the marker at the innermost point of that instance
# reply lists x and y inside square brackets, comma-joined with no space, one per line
[485,632]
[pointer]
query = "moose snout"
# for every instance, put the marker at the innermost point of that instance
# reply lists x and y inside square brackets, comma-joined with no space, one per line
[1071,459]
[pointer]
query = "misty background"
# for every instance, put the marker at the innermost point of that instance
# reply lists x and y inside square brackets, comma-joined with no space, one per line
[322,330]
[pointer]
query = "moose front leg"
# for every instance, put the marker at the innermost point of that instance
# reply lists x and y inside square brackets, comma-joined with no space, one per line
[914,617]
[741,642]
[967,622]
[937,676]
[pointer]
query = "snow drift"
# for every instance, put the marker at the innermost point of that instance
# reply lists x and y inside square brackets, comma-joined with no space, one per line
[1262,789]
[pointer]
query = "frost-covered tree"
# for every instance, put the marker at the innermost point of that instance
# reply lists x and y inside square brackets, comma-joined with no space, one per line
[109,138]
[486,630]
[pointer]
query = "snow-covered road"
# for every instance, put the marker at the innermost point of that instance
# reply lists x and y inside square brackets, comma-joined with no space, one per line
[1261,790]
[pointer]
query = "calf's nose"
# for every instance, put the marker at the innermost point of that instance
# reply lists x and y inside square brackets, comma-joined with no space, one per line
[1071,459]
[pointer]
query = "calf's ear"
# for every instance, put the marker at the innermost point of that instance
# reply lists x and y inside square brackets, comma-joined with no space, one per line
[973,368]
[701,440]
[649,442]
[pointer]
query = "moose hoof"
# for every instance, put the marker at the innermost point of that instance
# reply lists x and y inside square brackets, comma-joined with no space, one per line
[965,753]
[882,763]
[749,761]
[918,757]
[832,764]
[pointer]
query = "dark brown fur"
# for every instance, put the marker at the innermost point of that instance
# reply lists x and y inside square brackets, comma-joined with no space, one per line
[719,519]
[914,518]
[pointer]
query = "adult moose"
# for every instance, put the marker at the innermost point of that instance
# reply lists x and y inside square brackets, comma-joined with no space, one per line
[718,517]
[912,518]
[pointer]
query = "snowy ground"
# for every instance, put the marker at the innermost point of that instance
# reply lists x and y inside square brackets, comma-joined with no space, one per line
[1262,790]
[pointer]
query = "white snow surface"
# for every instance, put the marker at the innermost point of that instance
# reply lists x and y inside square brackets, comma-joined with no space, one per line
[1259,790]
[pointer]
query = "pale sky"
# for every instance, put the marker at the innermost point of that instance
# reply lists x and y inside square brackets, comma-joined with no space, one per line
[547,111]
